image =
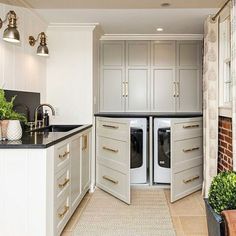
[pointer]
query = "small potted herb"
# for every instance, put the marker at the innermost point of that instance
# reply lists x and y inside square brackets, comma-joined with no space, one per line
[222,196]
[10,120]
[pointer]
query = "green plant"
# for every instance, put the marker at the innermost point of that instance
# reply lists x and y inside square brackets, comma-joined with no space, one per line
[222,194]
[6,109]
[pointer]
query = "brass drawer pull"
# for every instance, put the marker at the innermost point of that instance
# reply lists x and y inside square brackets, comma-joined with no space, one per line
[64,155]
[191,180]
[84,142]
[190,126]
[61,215]
[110,149]
[123,89]
[64,184]
[191,149]
[111,126]
[110,179]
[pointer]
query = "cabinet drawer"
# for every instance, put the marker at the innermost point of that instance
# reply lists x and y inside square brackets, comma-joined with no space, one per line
[186,182]
[186,130]
[112,129]
[111,151]
[187,153]
[62,156]
[62,181]
[112,181]
[62,213]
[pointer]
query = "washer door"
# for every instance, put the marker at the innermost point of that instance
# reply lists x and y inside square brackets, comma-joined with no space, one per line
[136,149]
[164,147]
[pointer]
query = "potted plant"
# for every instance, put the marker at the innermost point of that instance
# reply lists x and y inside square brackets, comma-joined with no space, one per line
[222,196]
[10,120]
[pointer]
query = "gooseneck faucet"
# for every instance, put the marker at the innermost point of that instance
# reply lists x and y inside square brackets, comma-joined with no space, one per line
[36,112]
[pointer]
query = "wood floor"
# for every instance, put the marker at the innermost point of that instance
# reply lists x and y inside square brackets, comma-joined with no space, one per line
[188,215]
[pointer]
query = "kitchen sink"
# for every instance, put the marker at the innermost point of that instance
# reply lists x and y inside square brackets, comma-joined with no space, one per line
[56,128]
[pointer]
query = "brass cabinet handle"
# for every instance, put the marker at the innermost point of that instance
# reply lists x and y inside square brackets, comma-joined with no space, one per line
[190,126]
[123,89]
[191,179]
[191,149]
[174,95]
[177,93]
[127,89]
[110,149]
[66,208]
[111,126]
[85,142]
[110,179]
[64,155]
[64,184]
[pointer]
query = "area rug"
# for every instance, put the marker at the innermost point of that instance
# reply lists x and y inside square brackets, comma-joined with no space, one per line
[104,215]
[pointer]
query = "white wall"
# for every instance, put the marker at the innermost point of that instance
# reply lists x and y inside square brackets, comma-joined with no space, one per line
[20,67]
[70,73]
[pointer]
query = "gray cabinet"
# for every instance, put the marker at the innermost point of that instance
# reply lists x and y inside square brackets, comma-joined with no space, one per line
[112,76]
[137,76]
[158,76]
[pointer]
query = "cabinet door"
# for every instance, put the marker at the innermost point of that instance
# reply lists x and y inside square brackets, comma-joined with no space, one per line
[112,75]
[163,90]
[186,157]
[137,76]
[85,161]
[75,172]
[113,157]
[189,76]
[163,76]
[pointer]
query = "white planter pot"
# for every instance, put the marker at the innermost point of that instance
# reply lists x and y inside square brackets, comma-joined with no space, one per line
[14,130]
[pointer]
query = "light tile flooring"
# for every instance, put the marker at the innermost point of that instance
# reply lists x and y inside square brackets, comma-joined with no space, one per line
[188,215]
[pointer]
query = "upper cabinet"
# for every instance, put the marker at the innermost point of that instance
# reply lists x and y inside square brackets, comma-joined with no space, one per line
[158,76]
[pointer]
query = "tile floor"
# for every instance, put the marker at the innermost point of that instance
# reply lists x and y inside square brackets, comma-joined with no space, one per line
[188,215]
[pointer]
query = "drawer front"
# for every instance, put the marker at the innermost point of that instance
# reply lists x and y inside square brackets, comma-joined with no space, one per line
[186,182]
[112,181]
[185,130]
[187,153]
[62,213]
[112,129]
[62,156]
[62,181]
[112,153]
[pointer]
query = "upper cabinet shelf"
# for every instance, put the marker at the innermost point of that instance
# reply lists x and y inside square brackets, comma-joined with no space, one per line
[157,76]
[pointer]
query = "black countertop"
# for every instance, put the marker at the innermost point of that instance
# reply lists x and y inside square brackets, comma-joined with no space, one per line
[38,140]
[148,114]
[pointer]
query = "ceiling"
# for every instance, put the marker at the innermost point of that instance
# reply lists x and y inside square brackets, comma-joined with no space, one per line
[121,4]
[133,21]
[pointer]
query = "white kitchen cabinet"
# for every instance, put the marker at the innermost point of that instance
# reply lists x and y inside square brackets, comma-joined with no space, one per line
[189,76]
[186,157]
[75,154]
[85,160]
[113,157]
[112,76]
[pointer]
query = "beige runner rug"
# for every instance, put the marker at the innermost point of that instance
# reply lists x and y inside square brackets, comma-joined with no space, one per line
[148,215]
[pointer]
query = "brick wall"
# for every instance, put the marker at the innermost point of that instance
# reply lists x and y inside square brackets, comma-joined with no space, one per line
[225,156]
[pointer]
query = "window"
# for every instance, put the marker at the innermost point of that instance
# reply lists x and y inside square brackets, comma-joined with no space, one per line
[225,82]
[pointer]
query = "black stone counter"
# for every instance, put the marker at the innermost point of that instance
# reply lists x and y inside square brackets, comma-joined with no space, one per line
[38,140]
[148,114]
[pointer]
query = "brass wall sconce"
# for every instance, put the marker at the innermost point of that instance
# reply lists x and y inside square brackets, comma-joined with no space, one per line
[10,34]
[42,49]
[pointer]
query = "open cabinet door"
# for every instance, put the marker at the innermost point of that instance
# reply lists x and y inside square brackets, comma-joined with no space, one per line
[186,157]
[113,157]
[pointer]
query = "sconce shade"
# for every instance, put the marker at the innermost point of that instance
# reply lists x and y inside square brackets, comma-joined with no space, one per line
[42,50]
[11,34]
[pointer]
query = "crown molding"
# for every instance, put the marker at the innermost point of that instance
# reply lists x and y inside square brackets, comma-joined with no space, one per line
[90,26]
[152,37]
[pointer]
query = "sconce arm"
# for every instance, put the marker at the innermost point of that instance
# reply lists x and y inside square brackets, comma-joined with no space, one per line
[32,40]
[9,15]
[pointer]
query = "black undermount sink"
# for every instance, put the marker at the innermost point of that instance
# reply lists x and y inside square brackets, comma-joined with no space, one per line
[56,128]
